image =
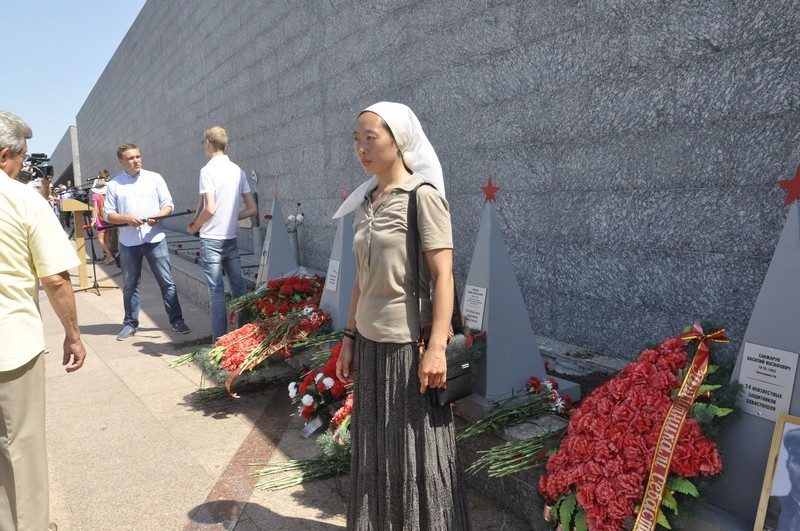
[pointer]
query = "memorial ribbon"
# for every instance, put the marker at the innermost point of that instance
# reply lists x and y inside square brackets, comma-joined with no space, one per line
[673,423]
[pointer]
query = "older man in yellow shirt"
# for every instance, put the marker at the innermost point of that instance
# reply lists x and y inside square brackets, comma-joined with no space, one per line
[35,249]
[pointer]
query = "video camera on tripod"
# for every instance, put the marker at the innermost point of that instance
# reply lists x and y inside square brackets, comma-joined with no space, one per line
[81,193]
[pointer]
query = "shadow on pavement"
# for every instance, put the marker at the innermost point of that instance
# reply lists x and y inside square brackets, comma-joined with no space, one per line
[239,515]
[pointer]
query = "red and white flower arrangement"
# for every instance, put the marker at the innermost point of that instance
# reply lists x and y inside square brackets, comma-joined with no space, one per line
[319,392]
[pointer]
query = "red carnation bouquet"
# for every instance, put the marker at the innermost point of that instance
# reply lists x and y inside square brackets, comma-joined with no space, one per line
[247,347]
[280,296]
[597,478]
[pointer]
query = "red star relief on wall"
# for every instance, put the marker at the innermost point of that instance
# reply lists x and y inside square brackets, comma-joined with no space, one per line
[489,190]
[792,188]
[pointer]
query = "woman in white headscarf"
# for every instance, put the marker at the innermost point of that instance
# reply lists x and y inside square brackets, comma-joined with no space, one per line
[403,473]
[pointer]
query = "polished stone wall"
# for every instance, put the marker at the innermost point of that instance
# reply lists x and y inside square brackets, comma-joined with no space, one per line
[66,160]
[636,143]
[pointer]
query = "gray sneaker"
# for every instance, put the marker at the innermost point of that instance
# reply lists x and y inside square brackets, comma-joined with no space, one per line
[180,327]
[127,331]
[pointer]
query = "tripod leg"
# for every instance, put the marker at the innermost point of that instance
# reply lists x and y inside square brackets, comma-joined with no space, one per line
[91,244]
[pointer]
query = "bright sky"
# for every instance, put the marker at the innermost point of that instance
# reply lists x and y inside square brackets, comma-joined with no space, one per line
[58,49]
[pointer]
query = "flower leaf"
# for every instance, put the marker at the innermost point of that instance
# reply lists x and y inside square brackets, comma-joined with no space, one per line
[702,412]
[668,500]
[682,485]
[580,522]
[707,388]
[565,510]
[707,412]
[662,520]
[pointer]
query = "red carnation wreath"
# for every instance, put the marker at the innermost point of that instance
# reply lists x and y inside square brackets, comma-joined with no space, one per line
[597,478]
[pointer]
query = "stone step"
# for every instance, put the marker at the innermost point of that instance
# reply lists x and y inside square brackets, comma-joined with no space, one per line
[187,267]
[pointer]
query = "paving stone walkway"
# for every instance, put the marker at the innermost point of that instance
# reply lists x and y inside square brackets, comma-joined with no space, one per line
[128,449]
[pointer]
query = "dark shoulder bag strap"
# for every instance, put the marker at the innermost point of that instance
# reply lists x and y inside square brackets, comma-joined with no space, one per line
[413,255]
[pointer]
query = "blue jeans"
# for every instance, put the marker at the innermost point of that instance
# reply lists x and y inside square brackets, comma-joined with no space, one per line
[157,255]
[219,255]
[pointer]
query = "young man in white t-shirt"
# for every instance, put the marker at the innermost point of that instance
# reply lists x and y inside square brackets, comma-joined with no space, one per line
[223,186]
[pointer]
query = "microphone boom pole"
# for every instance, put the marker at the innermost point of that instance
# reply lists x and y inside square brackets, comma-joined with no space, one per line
[144,220]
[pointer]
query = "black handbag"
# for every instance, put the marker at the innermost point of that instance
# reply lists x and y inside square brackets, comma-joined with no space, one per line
[458,357]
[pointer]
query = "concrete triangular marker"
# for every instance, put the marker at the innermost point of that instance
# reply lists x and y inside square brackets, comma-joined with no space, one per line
[773,330]
[341,274]
[493,303]
[277,257]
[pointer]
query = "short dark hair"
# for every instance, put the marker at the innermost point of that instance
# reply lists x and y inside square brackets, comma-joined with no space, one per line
[125,147]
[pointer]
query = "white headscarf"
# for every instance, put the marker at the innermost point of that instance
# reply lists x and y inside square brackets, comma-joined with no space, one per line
[417,151]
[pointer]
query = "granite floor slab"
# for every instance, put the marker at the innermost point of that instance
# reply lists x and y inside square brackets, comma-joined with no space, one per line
[129,450]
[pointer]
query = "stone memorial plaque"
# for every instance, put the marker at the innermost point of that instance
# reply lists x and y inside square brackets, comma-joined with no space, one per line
[332,277]
[767,379]
[262,265]
[474,303]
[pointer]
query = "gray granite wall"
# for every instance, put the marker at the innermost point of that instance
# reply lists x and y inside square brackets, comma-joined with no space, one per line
[636,143]
[66,159]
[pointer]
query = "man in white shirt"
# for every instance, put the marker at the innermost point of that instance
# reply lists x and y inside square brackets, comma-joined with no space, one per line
[35,250]
[135,198]
[223,186]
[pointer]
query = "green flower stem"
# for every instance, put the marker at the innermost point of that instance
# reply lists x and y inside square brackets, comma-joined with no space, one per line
[514,456]
[183,360]
[315,339]
[499,417]
[304,470]
[209,394]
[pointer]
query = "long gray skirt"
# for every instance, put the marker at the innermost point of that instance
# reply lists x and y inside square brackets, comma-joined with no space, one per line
[403,469]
